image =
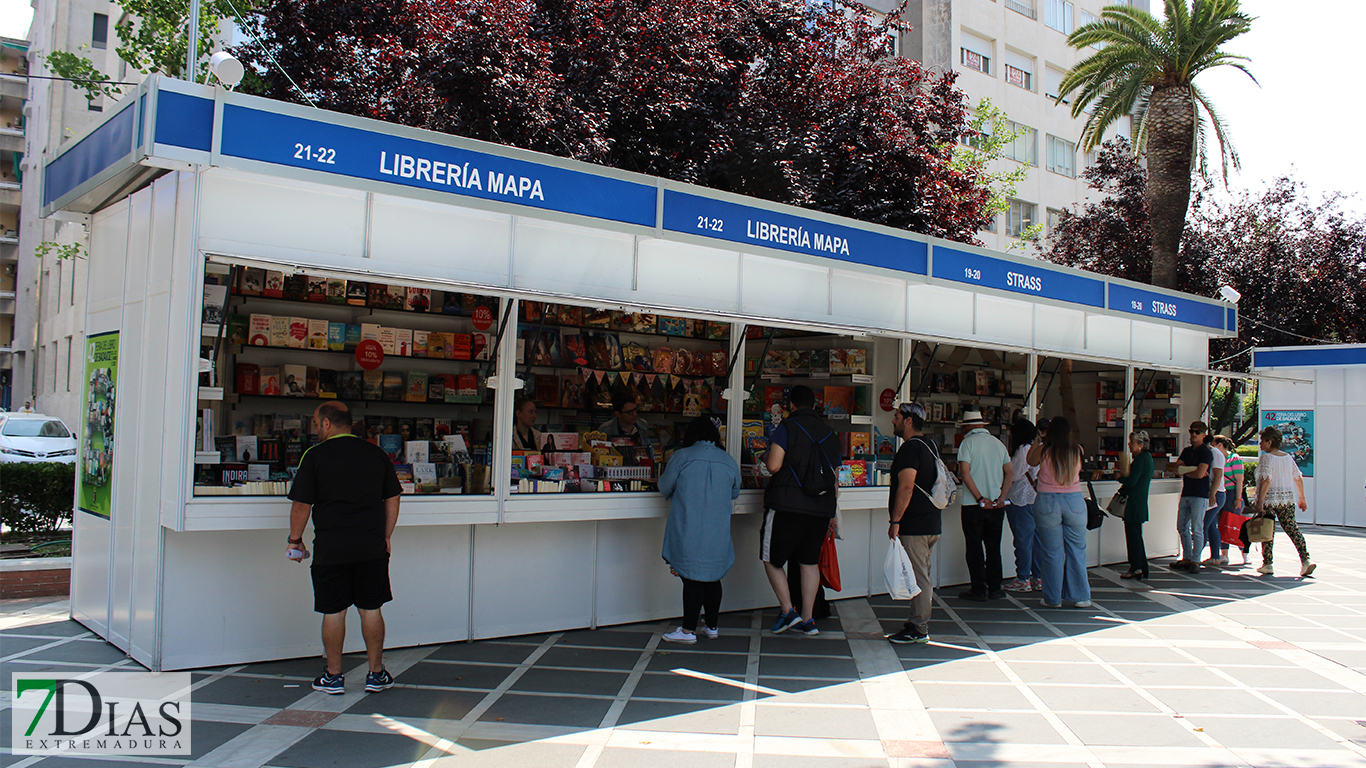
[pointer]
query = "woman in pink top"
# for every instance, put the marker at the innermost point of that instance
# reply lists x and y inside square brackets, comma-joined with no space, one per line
[1060,515]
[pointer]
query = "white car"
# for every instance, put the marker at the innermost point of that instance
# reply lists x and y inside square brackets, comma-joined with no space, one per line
[28,437]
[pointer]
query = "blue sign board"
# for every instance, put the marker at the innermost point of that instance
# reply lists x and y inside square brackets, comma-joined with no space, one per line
[1309,357]
[988,272]
[184,121]
[1180,309]
[1297,435]
[105,146]
[695,215]
[319,145]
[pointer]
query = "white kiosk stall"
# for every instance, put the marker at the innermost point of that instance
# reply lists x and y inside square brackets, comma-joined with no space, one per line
[244,251]
[1323,418]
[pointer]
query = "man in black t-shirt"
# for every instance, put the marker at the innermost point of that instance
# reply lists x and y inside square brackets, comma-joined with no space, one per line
[913,516]
[1193,465]
[350,489]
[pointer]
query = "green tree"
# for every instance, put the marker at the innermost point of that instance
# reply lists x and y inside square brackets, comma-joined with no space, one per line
[988,134]
[1147,68]
[152,38]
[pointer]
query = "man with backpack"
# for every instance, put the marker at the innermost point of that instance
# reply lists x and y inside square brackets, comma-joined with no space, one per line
[915,513]
[799,502]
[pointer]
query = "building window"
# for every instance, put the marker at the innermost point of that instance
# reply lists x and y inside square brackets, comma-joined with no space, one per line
[1019,78]
[991,224]
[1019,217]
[1062,156]
[1053,84]
[1022,148]
[99,35]
[1025,7]
[1092,157]
[1054,218]
[974,60]
[1057,14]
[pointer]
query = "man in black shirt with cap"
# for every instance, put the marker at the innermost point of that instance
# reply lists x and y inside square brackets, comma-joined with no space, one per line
[349,487]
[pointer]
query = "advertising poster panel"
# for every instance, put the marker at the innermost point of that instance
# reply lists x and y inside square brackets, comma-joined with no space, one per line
[97,433]
[1297,435]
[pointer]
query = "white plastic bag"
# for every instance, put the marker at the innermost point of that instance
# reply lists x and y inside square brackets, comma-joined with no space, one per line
[900,576]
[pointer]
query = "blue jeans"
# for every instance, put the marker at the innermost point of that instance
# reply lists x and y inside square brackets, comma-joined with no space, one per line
[1212,537]
[1190,526]
[1060,525]
[1028,552]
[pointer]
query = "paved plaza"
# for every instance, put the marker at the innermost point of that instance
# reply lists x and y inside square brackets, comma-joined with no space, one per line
[1225,668]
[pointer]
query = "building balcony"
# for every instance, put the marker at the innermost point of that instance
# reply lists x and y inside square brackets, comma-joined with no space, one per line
[11,140]
[9,251]
[10,195]
[13,87]
[9,237]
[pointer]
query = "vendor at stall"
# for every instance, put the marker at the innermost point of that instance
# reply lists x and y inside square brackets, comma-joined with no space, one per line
[627,422]
[524,436]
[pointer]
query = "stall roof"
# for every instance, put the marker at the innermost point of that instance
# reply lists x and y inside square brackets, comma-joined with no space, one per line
[1324,356]
[171,124]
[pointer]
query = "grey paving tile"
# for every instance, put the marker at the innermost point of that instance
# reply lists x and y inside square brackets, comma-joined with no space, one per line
[1229,701]
[1137,654]
[1352,730]
[960,671]
[308,667]
[1262,733]
[723,644]
[547,710]
[998,629]
[422,703]
[328,748]
[454,674]
[617,757]
[63,628]
[1227,656]
[569,656]
[1266,678]
[1046,672]
[273,692]
[794,685]
[975,696]
[843,693]
[1044,652]
[483,650]
[1133,730]
[84,652]
[1087,699]
[817,645]
[498,754]
[683,717]
[91,762]
[675,686]
[1323,703]
[570,681]
[995,727]
[792,761]
[10,645]
[932,652]
[664,661]
[9,668]
[814,722]
[793,666]
[482,744]
[207,735]
[606,638]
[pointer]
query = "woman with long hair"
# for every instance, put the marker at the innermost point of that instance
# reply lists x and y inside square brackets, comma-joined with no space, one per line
[1060,515]
[700,481]
[1134,485]
[1280,488]
[1020,513]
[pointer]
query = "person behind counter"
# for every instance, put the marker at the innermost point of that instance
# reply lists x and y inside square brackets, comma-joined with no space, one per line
[1134,485]
[700,482]
[525,437]
[1060,515]
[627,422]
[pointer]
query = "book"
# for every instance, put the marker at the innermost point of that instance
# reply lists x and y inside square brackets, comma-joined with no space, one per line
[860,444]
[279,331]
[349,385]
[245,446]
[236,332]
[296,287]
[436,345]
[293,379]
[403,342]
[466,388]
[336,337]
[352,337]
[250,281]
[388,339]
[419,343]
[480,344]
[270,381]
[274,287]
[418,299]
[392,445]
[416,451]
[317,288]
[393,389]
[258,330]
[318,334]
[397,297]
[248,377]
[417,387]
[298,333]
[372,385]
[839,401]
[357,292]
[436,388]
[424,429]
[327,383]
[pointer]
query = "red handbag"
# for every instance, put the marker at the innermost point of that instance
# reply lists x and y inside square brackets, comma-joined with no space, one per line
[1231,526]
[830,564]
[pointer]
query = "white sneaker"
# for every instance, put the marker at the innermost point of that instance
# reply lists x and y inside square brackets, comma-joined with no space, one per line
[711,632]
[681,635]
[1307,569]
[1266,569]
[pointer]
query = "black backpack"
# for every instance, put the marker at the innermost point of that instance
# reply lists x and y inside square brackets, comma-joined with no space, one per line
[815,477]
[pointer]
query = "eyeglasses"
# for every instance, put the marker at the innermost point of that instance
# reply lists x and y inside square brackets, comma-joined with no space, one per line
[1197,431]
[630,411]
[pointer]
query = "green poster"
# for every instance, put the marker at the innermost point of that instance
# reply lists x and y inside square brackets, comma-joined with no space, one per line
[97,438]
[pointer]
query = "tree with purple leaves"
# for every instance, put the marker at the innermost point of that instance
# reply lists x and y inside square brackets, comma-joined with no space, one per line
[794,102]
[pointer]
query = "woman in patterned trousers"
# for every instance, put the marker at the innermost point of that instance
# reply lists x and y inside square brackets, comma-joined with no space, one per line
[1280,489]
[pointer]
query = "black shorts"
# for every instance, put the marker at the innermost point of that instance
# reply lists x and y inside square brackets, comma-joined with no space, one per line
[340,586]
[792,537]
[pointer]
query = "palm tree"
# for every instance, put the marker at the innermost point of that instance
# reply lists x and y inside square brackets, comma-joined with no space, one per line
[1146,68]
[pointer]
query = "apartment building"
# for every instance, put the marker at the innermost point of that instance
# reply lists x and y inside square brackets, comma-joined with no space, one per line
[13,94]
[1015,52]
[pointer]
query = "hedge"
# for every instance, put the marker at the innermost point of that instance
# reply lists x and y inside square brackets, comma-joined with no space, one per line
[36,497]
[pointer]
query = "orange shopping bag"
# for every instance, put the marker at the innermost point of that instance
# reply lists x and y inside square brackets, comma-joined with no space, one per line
[830,564]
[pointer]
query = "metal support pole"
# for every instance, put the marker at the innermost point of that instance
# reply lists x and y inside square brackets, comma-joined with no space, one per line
[192,44]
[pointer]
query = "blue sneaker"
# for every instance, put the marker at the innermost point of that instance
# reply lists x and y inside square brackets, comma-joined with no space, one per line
[807,628]
[786,621]
[379,681]
[333,684]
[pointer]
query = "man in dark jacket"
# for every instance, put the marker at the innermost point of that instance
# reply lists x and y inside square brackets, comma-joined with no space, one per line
[803,455]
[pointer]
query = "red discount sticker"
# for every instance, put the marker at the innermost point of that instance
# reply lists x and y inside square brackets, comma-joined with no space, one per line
[887,400]
[369,354]
[483,318]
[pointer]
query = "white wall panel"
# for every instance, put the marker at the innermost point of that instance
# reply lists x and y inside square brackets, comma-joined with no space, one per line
[775,286]
[1327,500]
[441,240]
[936,310]
[1190,349]
[532,578]
[1108,336]
[1058,329]
[868,300]
[677,274]
[108,249]
[561,257]
[1005,320]
[1354,467]
[174,212]
[281,218]
[1150,343]
[633,581]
